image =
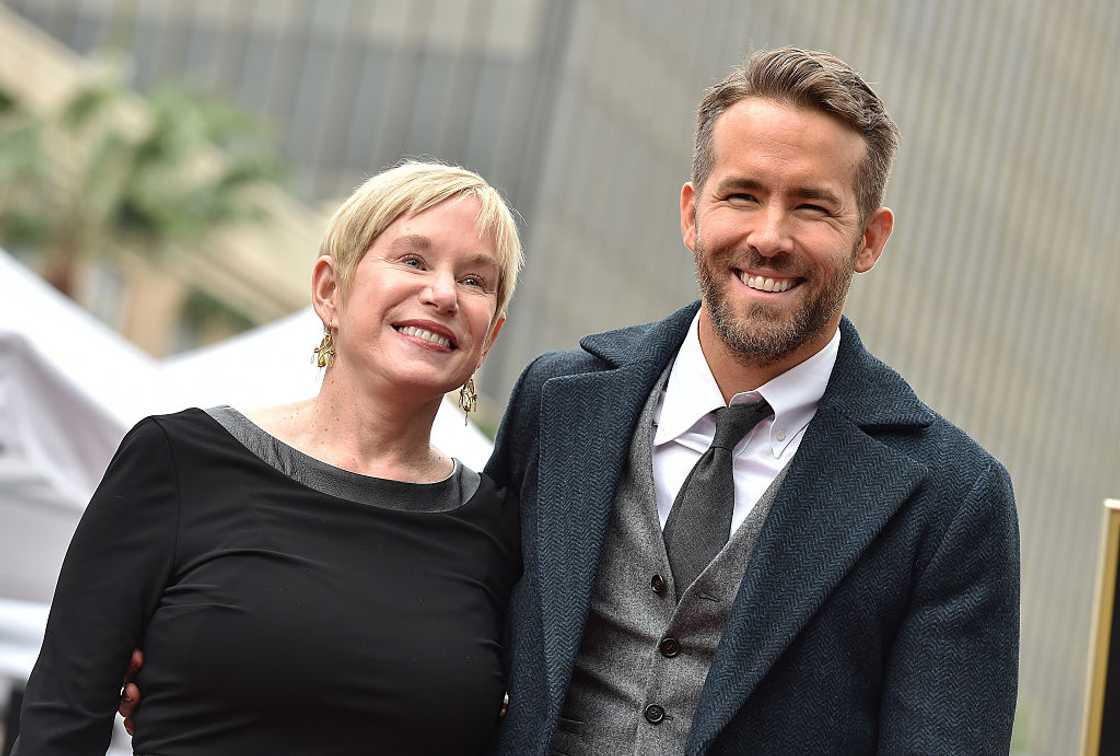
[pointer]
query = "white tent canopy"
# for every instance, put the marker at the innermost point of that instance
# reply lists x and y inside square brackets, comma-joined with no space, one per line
[69,389]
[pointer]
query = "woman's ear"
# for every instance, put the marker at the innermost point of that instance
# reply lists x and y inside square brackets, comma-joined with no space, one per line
[326,291]
[491,338]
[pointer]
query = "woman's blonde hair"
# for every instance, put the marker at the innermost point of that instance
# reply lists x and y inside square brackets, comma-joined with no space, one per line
[413,187]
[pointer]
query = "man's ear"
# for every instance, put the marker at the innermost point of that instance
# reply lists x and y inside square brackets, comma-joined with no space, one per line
[875,234]
[326,290]
[688,215]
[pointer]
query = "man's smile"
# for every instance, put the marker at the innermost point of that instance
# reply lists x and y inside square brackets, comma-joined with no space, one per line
[767,284]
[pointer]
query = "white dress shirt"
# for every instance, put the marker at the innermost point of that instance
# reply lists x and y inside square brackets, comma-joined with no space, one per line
[684,426]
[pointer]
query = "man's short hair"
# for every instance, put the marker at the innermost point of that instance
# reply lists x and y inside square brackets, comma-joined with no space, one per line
[413,187]
[808,79]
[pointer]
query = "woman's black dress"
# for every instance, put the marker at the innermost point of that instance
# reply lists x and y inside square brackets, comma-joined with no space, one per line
[284,606]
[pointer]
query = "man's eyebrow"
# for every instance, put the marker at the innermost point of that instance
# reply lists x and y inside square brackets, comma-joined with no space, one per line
[753,185]
[816,193]
[736,182]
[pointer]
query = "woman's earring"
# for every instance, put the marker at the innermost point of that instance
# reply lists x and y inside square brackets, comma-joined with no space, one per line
[324,353]
[468,399]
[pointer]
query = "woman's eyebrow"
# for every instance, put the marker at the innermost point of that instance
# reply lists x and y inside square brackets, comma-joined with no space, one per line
[411,243]
[482,258]
[420,243]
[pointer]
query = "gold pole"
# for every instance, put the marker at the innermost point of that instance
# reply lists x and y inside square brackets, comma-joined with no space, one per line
[1104,604]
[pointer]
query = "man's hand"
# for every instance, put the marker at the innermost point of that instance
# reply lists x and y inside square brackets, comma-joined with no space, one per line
[130,693]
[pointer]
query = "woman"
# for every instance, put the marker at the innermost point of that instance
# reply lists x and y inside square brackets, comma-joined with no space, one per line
[321,553]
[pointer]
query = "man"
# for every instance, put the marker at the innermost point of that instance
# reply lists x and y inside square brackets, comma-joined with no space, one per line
[847,582]
[742,533]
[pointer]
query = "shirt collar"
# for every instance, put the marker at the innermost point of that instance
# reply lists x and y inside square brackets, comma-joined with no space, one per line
[691,392]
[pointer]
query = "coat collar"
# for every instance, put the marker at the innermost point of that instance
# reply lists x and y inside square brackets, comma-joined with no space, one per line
[656,342]
[891,403]
[866,391]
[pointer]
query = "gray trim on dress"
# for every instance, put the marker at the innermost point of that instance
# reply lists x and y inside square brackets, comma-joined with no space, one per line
[441,496]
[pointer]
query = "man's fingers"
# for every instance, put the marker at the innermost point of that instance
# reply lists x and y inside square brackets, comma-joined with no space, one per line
[130,699]
[130,693]
[134,663]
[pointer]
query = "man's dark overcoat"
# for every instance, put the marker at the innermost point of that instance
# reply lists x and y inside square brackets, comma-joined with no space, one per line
[879,612]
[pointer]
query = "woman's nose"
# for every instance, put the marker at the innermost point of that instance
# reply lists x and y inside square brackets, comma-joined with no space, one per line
[441,293]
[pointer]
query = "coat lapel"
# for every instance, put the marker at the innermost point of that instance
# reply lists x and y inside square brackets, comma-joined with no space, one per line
[587,421]
[843,486]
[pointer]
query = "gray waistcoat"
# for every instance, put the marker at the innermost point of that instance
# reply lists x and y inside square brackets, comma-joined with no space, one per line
[640,648]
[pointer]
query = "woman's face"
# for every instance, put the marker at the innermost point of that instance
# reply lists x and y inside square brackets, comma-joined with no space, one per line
[419,316]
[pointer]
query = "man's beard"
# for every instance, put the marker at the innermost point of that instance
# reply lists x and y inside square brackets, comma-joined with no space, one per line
[760,334]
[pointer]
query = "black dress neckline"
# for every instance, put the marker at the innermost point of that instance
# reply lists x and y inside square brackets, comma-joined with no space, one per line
[440,496]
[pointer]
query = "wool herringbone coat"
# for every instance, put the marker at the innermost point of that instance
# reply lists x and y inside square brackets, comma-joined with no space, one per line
[879,612]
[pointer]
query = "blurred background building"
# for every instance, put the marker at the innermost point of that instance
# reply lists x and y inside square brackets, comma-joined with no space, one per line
[997,295]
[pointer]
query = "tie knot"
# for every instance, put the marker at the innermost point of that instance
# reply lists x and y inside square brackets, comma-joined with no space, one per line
[734,422]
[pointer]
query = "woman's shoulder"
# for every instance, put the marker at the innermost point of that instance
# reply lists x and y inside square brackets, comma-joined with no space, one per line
[478,481]
[495,511]
[189,420]
[484,493]
[185,429]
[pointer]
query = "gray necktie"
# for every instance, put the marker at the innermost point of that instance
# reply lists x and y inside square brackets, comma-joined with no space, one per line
[699,523]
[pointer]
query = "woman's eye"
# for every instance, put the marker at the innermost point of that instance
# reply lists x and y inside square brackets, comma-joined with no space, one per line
[412,261]
[476,281]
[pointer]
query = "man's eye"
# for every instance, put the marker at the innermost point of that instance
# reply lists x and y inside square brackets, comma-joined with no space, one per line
[742,197]
[815,208]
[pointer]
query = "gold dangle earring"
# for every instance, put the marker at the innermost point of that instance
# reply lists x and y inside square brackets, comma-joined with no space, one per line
[324,353]
[468,399]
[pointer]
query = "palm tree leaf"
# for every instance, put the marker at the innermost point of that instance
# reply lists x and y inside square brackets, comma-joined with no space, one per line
[87,103]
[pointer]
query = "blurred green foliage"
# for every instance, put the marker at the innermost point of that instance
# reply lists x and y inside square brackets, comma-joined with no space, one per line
[202,311]
[23,175]
[111,170]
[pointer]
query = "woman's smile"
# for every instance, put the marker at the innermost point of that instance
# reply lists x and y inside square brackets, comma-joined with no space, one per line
[427,335]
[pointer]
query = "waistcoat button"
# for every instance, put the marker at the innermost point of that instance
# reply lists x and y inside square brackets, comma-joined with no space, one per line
[658,584]
[669,647]
[654,714]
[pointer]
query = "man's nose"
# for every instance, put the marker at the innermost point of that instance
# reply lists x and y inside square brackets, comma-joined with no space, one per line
[771,236]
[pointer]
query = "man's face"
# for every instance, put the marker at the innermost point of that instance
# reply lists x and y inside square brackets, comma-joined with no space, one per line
[776,230]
